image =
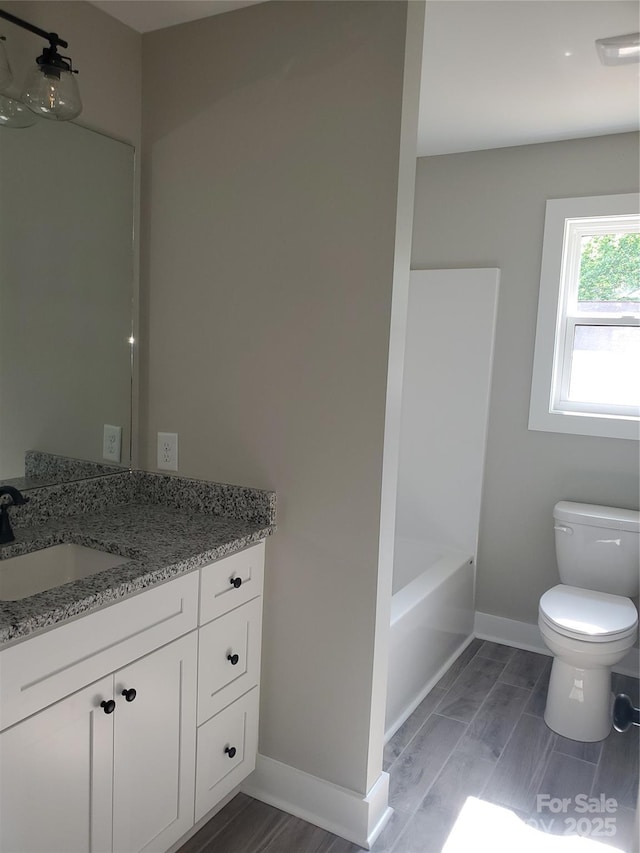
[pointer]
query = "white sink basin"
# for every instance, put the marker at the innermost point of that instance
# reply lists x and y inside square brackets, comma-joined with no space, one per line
[41,570]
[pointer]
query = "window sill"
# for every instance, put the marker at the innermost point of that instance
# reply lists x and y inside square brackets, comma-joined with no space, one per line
[575,423]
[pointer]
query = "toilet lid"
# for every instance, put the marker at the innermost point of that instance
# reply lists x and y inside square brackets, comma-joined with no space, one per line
[587,614]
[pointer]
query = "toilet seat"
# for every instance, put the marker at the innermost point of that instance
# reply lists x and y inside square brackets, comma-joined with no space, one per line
[583,614]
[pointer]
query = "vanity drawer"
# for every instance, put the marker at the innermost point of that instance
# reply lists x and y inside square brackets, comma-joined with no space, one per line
[230,582]
[218,768]
[49,666]
[228,658]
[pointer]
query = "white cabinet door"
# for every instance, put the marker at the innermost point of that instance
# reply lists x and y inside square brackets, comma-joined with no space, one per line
[55,777]
[154,749]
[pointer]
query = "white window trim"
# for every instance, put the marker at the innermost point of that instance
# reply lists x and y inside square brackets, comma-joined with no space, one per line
[540,415]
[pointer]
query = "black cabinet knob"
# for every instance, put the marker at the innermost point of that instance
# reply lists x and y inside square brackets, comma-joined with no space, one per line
[230,751]
[129,694]
[233,659]
[109,706]
[237,582]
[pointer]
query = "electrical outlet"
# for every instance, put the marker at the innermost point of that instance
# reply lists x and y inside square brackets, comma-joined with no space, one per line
[168,451]
[111,442]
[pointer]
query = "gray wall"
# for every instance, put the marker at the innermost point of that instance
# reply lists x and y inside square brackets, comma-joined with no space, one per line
[271,175]
[487,208]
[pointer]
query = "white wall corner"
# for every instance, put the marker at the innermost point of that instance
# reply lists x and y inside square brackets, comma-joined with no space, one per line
[414,41]
[356,817]
[524,635]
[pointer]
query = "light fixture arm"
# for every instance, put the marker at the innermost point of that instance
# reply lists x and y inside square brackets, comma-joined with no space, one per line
[53,38]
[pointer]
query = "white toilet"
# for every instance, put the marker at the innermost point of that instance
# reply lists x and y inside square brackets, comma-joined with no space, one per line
[588,621]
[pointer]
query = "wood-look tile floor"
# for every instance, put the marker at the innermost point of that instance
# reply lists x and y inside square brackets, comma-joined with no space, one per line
[479,733]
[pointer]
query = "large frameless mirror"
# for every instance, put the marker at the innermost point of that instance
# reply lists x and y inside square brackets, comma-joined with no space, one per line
[66,284]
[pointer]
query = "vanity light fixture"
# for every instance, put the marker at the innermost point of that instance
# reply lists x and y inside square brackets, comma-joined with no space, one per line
[619,50]
[50,90]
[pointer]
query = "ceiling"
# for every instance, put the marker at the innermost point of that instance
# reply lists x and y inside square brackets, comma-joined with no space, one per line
[495,73]
[512,72]
[147,15]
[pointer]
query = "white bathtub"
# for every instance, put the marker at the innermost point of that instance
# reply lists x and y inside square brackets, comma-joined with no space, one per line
[432,612]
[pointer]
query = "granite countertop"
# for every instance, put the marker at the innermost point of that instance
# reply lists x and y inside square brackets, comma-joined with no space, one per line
[160,541]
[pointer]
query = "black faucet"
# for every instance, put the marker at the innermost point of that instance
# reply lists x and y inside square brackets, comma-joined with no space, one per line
[9,496]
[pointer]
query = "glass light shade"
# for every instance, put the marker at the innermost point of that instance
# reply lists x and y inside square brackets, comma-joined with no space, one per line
[14,113]
[5,69]
[52,93]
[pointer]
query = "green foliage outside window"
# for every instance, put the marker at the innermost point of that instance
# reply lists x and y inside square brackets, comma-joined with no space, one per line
[610,268]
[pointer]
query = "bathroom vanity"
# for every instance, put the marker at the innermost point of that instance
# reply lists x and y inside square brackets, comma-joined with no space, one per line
[124,725]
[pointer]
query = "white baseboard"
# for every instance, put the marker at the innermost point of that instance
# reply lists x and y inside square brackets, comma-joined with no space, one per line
[346,813]
[524,635]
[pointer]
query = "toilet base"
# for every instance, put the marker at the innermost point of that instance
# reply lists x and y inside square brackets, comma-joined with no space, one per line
[579,702]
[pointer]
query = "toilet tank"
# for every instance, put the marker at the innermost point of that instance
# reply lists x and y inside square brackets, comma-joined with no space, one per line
[598,547]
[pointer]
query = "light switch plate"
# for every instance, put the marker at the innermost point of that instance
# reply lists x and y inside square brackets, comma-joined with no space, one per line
[168,451]
[112,443]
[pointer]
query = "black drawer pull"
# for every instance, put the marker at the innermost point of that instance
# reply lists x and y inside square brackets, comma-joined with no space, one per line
[236,582]
[230,751]
[233,659]
[129,694]
[109,706]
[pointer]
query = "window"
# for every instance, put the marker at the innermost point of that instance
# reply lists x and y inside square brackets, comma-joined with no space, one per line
[586,372]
